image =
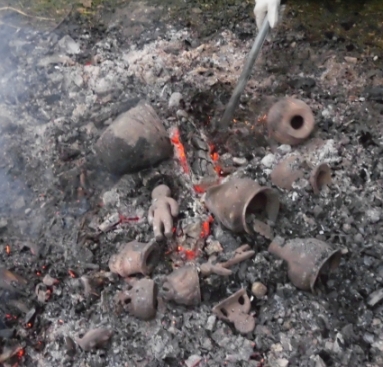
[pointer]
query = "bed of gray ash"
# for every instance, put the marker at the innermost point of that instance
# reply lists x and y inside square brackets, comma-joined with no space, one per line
[59,91]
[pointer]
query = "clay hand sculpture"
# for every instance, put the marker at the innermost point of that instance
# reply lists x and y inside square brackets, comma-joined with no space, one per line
[162,211]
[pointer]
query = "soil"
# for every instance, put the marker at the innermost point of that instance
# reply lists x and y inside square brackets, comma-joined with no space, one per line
[56,99]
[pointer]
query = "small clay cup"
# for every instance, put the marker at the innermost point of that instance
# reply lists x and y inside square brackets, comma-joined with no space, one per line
[235,309]
[182,286]
[290,121]
[232,202]
[141,299]
[307,258]
[135,258]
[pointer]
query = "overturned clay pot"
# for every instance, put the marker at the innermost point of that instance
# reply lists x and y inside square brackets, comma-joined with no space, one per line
[182,286]
[235,309]
[320,177]
[290,121]
[141,299]
[307,259]
[135,258]
[233,202]
[134,141]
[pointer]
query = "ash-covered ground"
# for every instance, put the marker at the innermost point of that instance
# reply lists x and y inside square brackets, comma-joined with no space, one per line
[60,89]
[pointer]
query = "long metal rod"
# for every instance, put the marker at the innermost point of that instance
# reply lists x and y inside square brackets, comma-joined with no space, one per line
[243,79]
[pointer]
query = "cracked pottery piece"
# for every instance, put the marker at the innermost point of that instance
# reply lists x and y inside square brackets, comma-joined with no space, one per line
[290,121]
[307,259]
[235,309]
[134,141]
[162,211]
[135,258]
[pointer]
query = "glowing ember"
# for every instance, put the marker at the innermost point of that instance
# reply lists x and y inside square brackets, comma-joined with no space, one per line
[205,230]
[215,158]
[21,353]
[72,274]
[124,219]
[187,254]
[199,189]
[180,150]
[29,325]
[8,249]
[262,119]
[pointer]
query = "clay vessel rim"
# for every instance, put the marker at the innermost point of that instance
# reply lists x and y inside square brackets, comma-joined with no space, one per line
[333,256]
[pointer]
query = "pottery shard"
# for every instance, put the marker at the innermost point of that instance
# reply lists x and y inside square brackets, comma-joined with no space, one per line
[286,173]
[134,141]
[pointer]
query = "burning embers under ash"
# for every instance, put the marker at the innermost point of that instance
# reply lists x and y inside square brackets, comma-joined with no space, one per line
[239,204]
[217,196]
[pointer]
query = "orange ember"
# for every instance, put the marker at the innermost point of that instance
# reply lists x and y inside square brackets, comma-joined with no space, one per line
[188,254]
[21,353]
[124,219]
[215,158]
[180,150]
[72,274]
[199,189]
[8,249]
[262,119]
[205,230]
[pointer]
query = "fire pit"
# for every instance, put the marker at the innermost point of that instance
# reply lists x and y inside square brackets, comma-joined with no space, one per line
[153,247]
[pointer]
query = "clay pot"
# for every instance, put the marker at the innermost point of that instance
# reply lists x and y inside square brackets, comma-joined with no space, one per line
[134,141]
[235,200]
[182,286]
[320,176]
[141,299]
[135,258]
[307,259]
[235,309]
[286,172]
[290,121]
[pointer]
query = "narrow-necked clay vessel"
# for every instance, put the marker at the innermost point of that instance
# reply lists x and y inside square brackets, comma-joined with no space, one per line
[307,258]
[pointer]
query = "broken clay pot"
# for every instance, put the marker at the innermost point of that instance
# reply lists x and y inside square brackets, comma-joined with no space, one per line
[182,286]
[235,309]
[162,211]
[319,177]
[134,141]
[290,121]
[307,259]
[141,299]
[236,200]
[135,258]
[286,172]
